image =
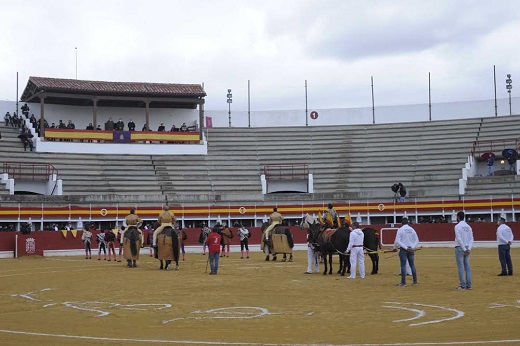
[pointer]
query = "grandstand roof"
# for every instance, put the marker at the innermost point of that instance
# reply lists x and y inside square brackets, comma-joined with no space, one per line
[75,92]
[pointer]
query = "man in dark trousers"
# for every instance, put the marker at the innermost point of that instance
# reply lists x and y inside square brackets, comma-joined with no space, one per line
[213,242]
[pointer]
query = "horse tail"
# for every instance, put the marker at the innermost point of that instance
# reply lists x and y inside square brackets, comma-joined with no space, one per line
[133,237]
[290,239]
[175,246]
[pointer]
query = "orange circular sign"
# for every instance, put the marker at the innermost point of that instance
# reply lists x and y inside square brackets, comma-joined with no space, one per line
[314,115]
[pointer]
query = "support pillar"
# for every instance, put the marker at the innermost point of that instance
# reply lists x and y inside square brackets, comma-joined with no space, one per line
[147,103]
[201,118]
[42,116]
[94,112]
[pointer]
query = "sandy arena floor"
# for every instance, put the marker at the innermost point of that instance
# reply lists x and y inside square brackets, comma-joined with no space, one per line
[73,301]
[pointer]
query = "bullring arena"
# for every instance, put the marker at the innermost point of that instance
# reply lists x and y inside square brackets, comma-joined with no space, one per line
[51,294]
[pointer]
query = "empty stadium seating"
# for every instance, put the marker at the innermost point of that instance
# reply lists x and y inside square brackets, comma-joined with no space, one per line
[356,162]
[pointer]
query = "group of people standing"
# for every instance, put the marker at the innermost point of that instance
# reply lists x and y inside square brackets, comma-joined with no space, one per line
[408,241]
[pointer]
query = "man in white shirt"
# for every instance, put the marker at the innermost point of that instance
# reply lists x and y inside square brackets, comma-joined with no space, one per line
[355,248]
[408,241]
[504,240]
[463,246]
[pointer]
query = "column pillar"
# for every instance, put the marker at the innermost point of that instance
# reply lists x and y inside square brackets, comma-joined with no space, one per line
[94,112]
[42,116]
[201,118]
[147,104]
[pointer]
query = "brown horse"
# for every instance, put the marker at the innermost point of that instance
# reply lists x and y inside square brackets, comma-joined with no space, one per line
[283,238]
[168,248]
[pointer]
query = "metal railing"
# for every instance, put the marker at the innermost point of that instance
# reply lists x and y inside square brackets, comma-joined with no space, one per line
[29,170]
[495,146]
[286,171]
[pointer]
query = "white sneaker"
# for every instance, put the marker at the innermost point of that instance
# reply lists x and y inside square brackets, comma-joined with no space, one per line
[351,277]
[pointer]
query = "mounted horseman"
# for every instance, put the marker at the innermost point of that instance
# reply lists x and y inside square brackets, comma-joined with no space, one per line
[166,241]
[132,239]
[276,237]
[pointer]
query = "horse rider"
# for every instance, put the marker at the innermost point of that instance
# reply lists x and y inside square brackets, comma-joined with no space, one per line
[330,217]
[274,219]
[132,220]
[166,218]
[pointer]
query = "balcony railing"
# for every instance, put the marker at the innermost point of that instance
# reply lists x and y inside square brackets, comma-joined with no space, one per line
[29,170]
[286,171]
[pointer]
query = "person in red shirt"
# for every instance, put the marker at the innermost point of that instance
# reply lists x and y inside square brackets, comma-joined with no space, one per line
[213,242]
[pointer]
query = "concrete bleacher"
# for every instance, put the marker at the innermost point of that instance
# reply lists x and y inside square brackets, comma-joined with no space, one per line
[356,162]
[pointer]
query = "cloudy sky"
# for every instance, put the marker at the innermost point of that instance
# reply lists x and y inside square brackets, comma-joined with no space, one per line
[336,45]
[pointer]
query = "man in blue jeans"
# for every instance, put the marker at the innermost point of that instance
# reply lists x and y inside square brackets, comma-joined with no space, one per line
[407,240]
[504,240]
[463,246]
[213,242]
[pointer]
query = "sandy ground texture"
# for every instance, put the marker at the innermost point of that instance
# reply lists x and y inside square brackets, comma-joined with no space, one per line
[74,301]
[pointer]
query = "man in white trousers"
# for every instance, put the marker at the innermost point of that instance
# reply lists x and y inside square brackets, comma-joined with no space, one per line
[312,258]
[355,248]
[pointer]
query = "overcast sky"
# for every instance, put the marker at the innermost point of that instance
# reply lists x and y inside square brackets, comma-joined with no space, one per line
[335,45]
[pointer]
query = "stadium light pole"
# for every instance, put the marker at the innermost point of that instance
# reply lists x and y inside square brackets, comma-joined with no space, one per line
[373,106]
[76,49]
[229,101]
[509,86]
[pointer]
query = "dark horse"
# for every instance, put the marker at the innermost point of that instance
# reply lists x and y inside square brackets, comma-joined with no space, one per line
[164,252]
[328,243]
[268,243]
[371,245]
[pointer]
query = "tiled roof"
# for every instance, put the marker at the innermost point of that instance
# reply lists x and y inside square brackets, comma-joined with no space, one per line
[119,88]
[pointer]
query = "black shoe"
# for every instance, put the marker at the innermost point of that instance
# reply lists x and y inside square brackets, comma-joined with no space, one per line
[510,273]
[502,274]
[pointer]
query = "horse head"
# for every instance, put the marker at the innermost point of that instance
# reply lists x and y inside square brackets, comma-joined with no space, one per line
[307,221]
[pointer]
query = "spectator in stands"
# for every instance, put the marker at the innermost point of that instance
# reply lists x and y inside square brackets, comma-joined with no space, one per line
[120,125]
[145,128]
[62,125]
[109,125]
[7,118]
[25,110]
[25,137]
[491,165]
[14,120]
[174,129]
[161,128]
[511,160]
[184,128]
[70,125]
[131,125]
[33,120]
[90,126]
[402,193]
[53,126]
[99,128]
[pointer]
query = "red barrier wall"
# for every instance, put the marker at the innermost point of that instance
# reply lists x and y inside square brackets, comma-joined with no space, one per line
[50,240]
